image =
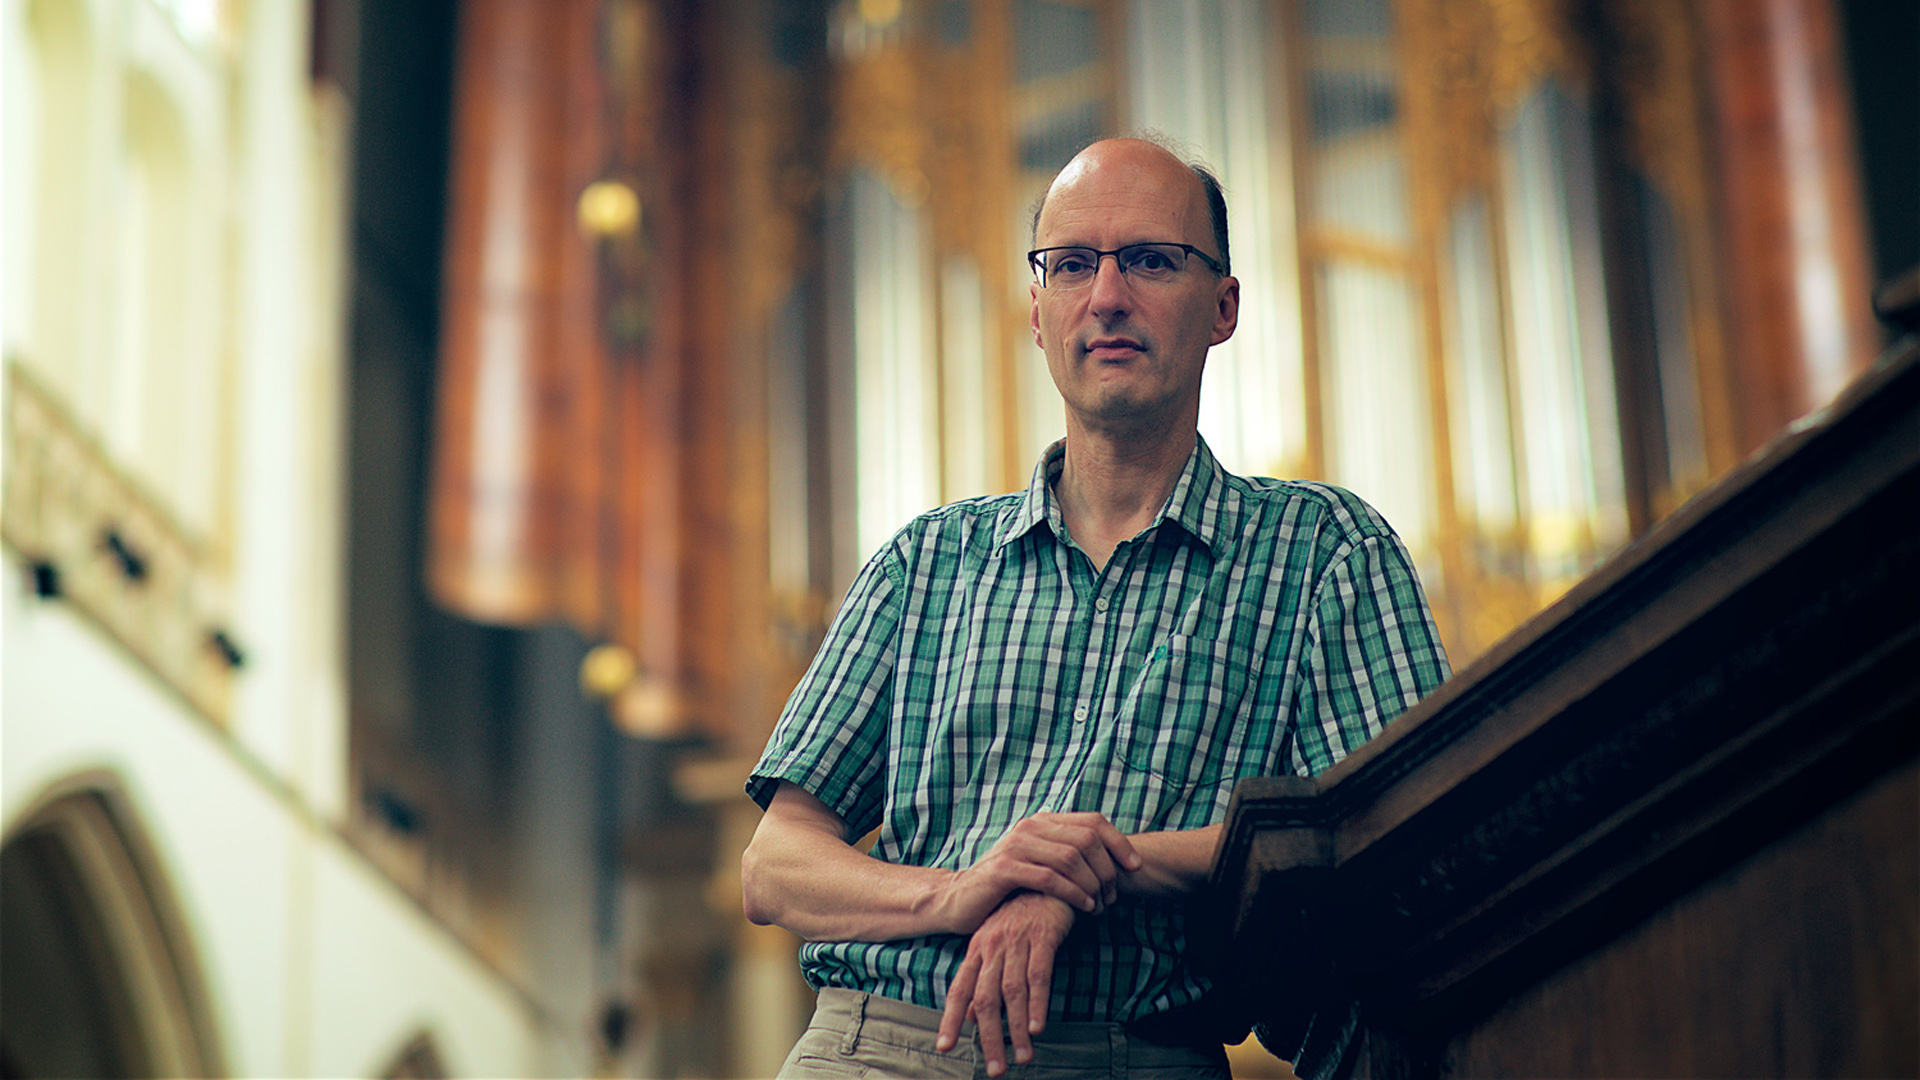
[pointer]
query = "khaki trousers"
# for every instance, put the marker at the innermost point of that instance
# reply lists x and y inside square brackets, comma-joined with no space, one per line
[863,1035]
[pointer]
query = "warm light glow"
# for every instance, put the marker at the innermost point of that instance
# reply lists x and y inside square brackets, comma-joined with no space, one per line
[650,709]
[609,208]
[607,670]
[879,12]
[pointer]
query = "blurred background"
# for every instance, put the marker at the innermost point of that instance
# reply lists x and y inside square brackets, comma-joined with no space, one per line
[436,432]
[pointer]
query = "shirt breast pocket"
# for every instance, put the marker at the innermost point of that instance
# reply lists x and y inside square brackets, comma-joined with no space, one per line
[1181,722]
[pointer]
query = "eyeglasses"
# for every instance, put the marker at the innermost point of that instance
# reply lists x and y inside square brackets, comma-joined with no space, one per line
[1075,267]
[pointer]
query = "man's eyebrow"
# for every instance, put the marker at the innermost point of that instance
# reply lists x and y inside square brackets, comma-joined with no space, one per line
[1155,239]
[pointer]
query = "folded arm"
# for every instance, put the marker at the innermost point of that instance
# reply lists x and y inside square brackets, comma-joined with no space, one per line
[802,872]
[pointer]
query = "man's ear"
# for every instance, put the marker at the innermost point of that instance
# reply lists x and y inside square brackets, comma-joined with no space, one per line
[1226,315]
[1033,313]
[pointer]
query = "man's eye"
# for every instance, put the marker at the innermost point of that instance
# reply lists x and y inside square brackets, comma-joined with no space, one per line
[1070,264]
[1149,260]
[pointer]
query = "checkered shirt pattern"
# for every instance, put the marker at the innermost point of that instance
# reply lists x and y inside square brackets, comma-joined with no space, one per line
[981,670]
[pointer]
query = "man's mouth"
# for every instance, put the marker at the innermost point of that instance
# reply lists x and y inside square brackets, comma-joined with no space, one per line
[1114,348]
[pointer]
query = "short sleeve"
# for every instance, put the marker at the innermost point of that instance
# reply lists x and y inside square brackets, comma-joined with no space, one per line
[1372,652]
[832,735]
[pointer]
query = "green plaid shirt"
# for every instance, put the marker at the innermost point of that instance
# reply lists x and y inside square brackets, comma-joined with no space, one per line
[981,671]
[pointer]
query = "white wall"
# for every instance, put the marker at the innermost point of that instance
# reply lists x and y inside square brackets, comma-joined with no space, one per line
[314,963]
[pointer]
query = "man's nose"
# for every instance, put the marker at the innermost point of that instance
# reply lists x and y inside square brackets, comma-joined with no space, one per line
[1109,287]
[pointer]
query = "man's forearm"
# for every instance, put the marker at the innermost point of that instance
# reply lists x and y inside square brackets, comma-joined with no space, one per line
[1174,864]
[802,874]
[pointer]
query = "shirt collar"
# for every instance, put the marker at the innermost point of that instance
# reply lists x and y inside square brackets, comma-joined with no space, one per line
[1198,501]
[1194,505]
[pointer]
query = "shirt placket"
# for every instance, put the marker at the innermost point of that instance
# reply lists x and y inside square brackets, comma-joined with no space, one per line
[1101,597]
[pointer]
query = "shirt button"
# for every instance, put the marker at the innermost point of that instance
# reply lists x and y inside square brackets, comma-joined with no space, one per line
[1100,603]
[1080,715]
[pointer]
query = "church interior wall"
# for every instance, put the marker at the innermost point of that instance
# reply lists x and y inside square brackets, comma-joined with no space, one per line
[200,385]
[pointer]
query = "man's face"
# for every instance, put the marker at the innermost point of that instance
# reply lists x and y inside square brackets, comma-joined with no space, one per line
[1127,354]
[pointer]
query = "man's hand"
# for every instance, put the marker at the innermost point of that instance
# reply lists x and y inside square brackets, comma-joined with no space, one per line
[1009,966]
[1076,858]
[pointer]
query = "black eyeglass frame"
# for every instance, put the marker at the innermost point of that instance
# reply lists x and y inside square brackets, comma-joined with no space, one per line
[1040,270]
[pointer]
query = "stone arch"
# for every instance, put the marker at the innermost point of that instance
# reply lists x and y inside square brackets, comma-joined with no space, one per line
[100,976]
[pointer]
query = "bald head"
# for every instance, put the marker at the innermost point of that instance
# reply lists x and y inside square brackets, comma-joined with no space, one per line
[1152,163]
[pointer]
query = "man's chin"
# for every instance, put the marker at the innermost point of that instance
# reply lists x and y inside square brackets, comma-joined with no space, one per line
[1123,412]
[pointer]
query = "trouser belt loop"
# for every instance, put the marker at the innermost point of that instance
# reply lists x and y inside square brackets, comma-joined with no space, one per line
[852,1038]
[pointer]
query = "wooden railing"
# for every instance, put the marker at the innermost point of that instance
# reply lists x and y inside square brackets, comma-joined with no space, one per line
[1671,827]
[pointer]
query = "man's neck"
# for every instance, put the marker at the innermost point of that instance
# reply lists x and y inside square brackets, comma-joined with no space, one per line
[1110,487]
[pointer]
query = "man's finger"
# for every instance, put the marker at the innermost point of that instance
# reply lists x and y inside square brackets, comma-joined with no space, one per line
[1039,988]
[1117,844]
[1063,853]
[1106,835]
[1013,995]
[1092,835]
[1043,880]
[959,999]
[1073,864]
[1102,863]
[986,1017]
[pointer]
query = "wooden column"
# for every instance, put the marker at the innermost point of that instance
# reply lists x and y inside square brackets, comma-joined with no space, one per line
[1795,259]
[517,477]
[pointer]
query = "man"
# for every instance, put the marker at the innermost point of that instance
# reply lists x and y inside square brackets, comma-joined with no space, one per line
[1042,700]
